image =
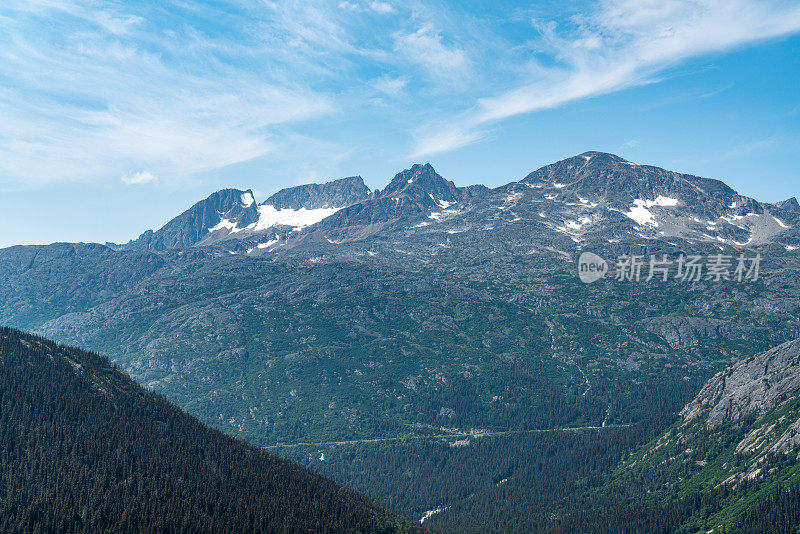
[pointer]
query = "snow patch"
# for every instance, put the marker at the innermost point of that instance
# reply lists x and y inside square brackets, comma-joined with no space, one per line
[780,223]
[269,243]
[226,224]
[268,217]
[441,203]
[431,513]
[640,213]
[662,201]
[247,199]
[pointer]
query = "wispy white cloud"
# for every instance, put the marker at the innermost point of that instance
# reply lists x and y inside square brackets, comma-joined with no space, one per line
[99,92]
[138,178]
[383,8]
[623,43]
[427,48]
[94,90]
[390,85]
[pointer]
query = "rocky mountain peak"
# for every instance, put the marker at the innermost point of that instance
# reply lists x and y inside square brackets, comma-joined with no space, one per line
[334,194]
[618,183]
[591,196]
[222,212]
[420,181]
[790,204]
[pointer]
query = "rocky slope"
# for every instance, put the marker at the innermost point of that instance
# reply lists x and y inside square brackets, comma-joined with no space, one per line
[756,385]
[217,216]
[735,445]
[790,205]
[410,197]
[593,199]
[335,194]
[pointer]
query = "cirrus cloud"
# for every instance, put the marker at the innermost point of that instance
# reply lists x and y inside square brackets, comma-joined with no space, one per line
[621,44]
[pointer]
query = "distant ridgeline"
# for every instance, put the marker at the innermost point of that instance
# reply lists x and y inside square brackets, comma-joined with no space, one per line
[429,345]
[85,449]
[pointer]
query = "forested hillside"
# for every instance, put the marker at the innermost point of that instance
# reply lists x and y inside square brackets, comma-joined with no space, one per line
[85,449]
[730,462]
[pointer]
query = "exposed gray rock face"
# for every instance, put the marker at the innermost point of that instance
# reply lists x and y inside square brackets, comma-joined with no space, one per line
[335,194]
[221,212]
[657,203]
[686,331]
[412,194]
[613,181]
[421,181]
[593,199]
[790,204]
[757,385]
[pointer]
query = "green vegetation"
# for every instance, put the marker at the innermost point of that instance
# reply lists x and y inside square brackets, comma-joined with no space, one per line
[381,365]
[85,449]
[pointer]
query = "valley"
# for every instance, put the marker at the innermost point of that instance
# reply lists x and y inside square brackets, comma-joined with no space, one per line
[428,345]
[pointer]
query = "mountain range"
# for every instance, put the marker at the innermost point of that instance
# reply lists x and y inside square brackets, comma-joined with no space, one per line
[432,346]
[586,199]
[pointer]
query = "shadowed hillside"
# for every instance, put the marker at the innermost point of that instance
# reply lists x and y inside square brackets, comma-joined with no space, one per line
[85,449]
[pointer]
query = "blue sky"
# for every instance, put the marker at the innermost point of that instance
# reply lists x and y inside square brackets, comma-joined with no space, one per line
[117,115]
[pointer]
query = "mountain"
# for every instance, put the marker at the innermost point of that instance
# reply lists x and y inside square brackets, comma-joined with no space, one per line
[653,202]
[233,215]
[412,195]
[730,463]
[432,345]
[338,193]
[85,449]
[291,210]
[790,204]
[222,213]
[587,200]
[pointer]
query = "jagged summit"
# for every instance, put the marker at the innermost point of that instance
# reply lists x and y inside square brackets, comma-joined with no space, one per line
[790,204]
[335,194]
[421,180]
[223,211]
[412,193]
[591,196]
